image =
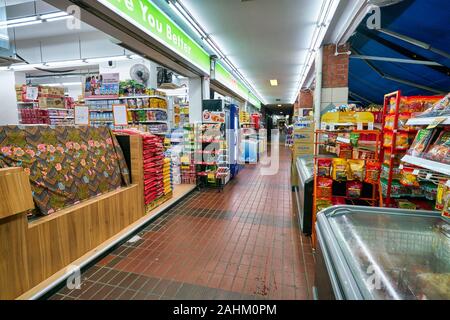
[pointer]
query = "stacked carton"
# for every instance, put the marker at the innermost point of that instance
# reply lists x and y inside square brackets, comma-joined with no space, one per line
[303,137]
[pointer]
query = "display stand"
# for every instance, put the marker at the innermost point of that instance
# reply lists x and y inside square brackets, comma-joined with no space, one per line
[369,193]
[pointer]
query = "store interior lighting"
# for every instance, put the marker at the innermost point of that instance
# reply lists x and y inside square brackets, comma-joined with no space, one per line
[36,19]
[68,63]
[327,12]
[184,14]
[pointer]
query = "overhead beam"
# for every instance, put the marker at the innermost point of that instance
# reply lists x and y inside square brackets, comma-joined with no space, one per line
[415,42]
[392,78]
[403,51]
[397,60]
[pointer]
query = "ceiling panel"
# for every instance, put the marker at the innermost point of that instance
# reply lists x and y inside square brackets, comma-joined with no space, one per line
[265,39]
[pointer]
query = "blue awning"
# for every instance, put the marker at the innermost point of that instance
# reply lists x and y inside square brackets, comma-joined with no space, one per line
[427,21]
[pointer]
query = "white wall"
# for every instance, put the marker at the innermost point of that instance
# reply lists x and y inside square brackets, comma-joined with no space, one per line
[124,67]
[8,105]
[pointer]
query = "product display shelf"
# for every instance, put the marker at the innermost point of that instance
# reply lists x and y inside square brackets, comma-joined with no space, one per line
[126,97]
[435,166]
[369,194]
[429,121]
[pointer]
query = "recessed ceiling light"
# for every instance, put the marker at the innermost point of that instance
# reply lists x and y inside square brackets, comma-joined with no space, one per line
[279,105]
[274,82]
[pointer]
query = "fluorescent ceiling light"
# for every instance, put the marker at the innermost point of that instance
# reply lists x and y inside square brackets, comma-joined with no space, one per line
[274,82]
[58,18]
[19,20]
[280,105]
[114,58]
[70,63]
[54,15]
[25,67]
[68,84]
[187,19]
[21,24]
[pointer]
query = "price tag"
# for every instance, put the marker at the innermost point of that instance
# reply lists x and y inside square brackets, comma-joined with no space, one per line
[400,167]
[32,93]
[437,121]
[343,140]
[359,126]
[429,175]
[81,115]
[416,172]
[120,115]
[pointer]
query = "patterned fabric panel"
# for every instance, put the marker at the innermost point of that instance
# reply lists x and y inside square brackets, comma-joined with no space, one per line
[66,165]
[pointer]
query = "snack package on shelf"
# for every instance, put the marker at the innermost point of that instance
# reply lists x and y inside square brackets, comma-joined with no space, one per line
[323,204]
[440,150]
[408,179]
[372,171]
[339,171]
[344,151]
[396,160]
[355,170]
[397,189]
[324,167]
[440,195]
[401,123]
[324,188]
[354,189]
[439,108]
[413,104]
[401,141]
[429,190]
[405,204]
[421,142]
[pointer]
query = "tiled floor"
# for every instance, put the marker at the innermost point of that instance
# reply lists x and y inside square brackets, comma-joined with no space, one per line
[243,243]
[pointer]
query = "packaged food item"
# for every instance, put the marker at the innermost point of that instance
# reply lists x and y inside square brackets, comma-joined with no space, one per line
[324,167]
[401,141]
[440,193]
[355,170]
[396,160]
[408,179]
[446,209]
[345,151]
[442,107]
[430,190]
[440,150]
[397,190]
[339,169]
[401,123]
[354,138]
[405,204]
[354,189]
[372,171]
[421,142]
[324,188]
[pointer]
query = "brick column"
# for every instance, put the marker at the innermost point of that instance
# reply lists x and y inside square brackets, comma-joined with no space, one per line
[334,76]
[304,100]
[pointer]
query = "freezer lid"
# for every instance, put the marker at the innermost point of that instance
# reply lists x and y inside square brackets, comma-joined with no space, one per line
[381,253]
[305,168]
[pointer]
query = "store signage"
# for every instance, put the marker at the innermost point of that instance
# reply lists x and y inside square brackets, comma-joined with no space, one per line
[81,115]
[120,115]
[149,18]
[214,116]
[31,94]
[105,85]
[227,79]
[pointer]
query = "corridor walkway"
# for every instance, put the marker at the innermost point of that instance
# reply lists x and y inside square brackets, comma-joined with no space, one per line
[243,243]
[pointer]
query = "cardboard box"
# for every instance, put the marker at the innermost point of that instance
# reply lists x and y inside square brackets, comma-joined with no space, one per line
[303,149]
[303,136]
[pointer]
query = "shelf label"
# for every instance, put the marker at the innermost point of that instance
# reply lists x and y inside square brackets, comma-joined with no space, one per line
[416,172]
[359,126]
[32,93]
[343,140]
[437,121]
[120,115]
[370,126]
[81,115]
[429,175]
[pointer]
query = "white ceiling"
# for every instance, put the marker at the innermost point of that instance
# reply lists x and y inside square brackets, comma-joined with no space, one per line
[264,39]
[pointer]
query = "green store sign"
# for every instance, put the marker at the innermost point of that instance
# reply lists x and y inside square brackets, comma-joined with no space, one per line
[150,19]
[227,79]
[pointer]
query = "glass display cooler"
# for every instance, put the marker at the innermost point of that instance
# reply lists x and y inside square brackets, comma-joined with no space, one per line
[366,253]
[303,192]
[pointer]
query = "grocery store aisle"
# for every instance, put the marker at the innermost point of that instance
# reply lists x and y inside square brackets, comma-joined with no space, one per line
[240,244]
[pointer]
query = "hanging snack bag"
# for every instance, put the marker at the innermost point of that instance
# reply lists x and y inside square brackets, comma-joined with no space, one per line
[355,170]
[324,188]
[441,191]
[421,142]
[324,167]
[323,204]
[354,138]
[339,169]
[446,198]
[373,169]
[408,179]
[354,189]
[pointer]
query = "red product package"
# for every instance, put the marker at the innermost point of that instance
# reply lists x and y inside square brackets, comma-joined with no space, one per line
[373,169]
[354,189]
[324,188]
[324,167]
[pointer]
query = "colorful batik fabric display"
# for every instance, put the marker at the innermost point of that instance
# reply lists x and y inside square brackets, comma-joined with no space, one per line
[66,164]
